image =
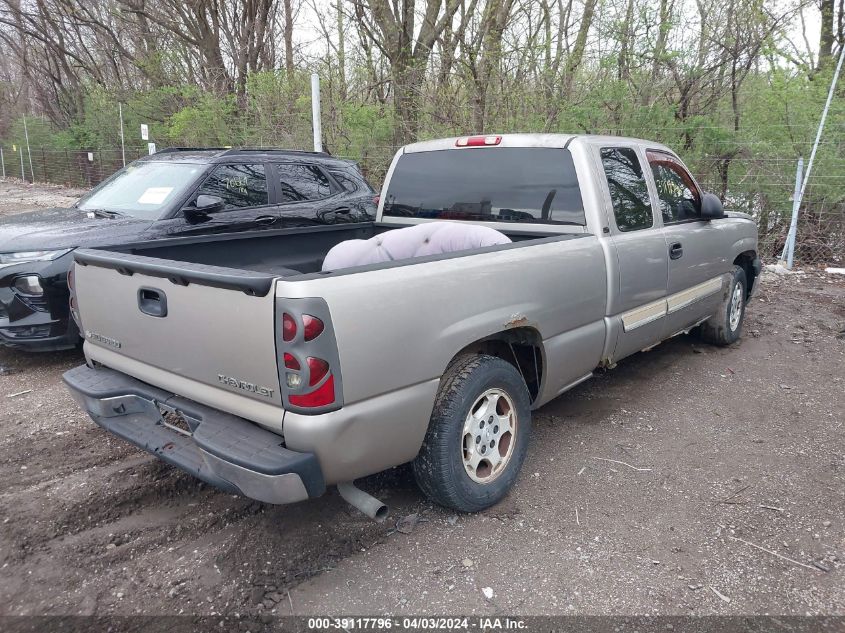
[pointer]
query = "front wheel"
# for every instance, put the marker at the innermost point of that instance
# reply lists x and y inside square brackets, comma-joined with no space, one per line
[478,434]
[725,326]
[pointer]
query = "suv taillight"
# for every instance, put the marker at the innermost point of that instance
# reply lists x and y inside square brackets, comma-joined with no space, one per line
[309,373]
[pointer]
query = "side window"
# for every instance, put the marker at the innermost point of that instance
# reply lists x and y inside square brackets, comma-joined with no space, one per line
[628,188]
[240,186]
[345,181]
[679,198]
[302,182]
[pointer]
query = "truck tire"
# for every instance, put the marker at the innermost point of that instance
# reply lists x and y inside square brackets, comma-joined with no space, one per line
[725,326]
[478,434]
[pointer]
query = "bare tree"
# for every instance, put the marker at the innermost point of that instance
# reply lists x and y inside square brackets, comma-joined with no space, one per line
[393,29]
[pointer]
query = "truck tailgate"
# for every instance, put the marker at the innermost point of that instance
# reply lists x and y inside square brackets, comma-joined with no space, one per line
[204,332]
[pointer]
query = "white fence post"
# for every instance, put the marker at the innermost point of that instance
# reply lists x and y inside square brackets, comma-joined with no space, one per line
[789,249]
[3,163]
[122,144]
[315,112]
[797,203]
[28,151]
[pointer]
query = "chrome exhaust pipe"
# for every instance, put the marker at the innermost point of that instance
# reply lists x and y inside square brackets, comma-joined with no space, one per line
[366,503]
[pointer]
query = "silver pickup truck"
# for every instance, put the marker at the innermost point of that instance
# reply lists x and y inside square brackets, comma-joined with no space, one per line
[273,365]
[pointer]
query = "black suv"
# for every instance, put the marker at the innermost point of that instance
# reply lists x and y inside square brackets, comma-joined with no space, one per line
[176,193]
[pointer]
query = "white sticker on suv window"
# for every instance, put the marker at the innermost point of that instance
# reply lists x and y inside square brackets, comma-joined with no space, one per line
[155,195]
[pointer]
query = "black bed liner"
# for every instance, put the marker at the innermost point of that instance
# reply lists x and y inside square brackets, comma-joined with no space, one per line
[251,262]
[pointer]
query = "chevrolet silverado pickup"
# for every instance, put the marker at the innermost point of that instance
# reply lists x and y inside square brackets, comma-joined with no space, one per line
[176,193]
[500,272]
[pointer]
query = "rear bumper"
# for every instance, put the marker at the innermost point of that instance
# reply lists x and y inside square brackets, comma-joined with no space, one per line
[223,450]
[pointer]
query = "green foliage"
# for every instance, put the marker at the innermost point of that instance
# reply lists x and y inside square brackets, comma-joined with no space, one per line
[207,121]
[750,160]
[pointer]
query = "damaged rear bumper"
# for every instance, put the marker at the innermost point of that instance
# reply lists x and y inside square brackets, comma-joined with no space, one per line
[223,450]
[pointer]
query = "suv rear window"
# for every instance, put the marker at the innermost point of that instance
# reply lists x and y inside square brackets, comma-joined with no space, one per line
[495,184]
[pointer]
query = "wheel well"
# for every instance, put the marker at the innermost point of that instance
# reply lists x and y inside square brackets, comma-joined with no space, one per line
[522,347]
[746,260]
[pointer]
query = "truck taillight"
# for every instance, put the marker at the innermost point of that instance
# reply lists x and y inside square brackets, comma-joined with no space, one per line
[319,398]
[317,369]
[291,362]
[288,328]
[309,368]
[313,327]
[74,309]
[478,141]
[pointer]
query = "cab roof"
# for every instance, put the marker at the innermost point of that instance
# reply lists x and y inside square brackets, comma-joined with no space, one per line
[214,155]
[552,141]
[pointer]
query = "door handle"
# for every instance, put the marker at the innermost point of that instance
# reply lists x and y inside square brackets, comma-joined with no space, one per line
[265,220]
[152,301]
[676,251]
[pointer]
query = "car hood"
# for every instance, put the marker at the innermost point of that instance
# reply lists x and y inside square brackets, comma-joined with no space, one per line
[56,228]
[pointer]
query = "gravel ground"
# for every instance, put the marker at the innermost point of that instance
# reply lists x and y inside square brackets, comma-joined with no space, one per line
[17,195]
[688,480]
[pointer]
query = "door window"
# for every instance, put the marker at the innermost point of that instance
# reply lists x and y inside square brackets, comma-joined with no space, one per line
[298,183]
[628,188]
[679,197]
[239,186]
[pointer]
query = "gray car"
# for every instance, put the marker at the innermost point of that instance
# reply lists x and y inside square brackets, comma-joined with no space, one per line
[264,367]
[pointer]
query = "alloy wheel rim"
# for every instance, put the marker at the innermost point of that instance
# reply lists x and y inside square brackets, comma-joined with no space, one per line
[736,307]
[489,435]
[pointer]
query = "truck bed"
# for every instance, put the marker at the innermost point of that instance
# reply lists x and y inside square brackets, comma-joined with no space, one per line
[280,253]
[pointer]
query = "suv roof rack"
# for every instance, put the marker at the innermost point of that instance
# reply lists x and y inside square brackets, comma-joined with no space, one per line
[246,150]
[167,150]
[236,151]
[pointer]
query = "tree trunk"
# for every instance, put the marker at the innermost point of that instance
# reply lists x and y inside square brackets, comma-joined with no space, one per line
[288,35]
[341,51]
[827,34]
[624,65]
[577,54]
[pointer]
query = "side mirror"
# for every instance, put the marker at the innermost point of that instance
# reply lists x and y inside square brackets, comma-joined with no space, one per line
[204,206]
[711,207]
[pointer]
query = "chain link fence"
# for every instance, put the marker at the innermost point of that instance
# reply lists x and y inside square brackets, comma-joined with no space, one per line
[763,187]
[68,167]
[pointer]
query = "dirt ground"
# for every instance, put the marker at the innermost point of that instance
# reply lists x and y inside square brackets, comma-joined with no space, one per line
[688,480]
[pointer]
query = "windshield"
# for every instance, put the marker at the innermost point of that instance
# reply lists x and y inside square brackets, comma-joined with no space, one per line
[497,184]
[143,190]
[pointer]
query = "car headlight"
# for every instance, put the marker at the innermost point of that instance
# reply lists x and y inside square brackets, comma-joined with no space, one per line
[21,257]
[29,285]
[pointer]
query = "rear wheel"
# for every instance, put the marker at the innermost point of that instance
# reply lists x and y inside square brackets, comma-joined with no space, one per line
[725,326]
[478,434]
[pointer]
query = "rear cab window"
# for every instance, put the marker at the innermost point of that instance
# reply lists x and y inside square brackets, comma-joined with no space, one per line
[496,184]
[628,188]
